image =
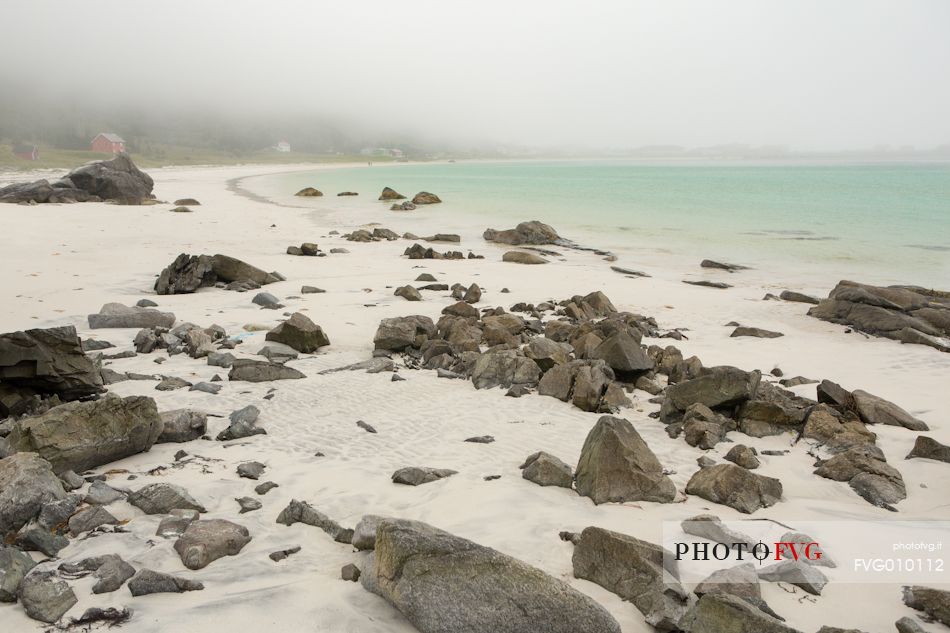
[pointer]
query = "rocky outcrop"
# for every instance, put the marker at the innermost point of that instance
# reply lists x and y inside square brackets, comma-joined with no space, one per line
[81,435]
[441,583]
[44,362]
[616,465]
[27,483]
[735,487]
[116,180]
[905,314]
[533,232]
[300,333]
[637,571]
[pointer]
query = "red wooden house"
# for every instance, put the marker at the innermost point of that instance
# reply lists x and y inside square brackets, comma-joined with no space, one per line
[108,143]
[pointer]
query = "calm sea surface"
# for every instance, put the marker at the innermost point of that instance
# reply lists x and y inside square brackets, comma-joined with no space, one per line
[882,223]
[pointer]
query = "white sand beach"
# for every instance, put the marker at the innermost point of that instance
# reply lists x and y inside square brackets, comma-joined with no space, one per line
[60,263]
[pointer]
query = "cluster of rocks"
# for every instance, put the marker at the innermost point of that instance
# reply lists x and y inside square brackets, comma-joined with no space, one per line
[418,251]
[403,206]
[307,249]
[117,180]
[423,197]
[378,234]
[188,273]
[589,354]
[532,232]
[904,313]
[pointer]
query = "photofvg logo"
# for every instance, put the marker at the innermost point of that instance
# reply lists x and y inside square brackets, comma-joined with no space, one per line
[808,554]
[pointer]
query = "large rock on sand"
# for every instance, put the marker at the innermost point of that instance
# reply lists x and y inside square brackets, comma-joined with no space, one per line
[300,333]
[206,541]
[637,571]
[616,465]
[162,498]
[398,333]
[261,371]
[117,179]
[933,602]
[735,487]
[522,257]
[27,483]
[906,314]
[82,435]
[623,354]
[722,613]
[504,368]
[116,315]
[47,361]
[533,232]
[229,269]
[185,275]
[716,387]
[445,584]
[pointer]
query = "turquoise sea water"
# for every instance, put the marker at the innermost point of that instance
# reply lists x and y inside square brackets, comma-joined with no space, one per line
[887,223]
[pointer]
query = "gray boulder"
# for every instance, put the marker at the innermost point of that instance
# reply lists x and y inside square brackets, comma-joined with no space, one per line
[722,613]
[147,581]
[206,541]
[795,572]
[744,456]
[399,333]
[14,566]
[908,625]
[545,469]
[364,534]
[182,425]
[445,584]
[110,571]
[46,361]
[735,487]
[522,257]
[875,410]
[248,370]
[162,498]
[547,353]
[230,269]
[623,354]
[868,474]
[717,386]
[27,483]
[89,519]
[81,435]
[637,571]
[616,465]
[754,332]
[300,333]
[185,275]
[418,475]
[46,598]
[929,448]
[408,293]
[116,315]
[504,368]
[102,494]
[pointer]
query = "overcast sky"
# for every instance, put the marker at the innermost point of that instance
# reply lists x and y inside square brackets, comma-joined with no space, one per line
[811,74]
